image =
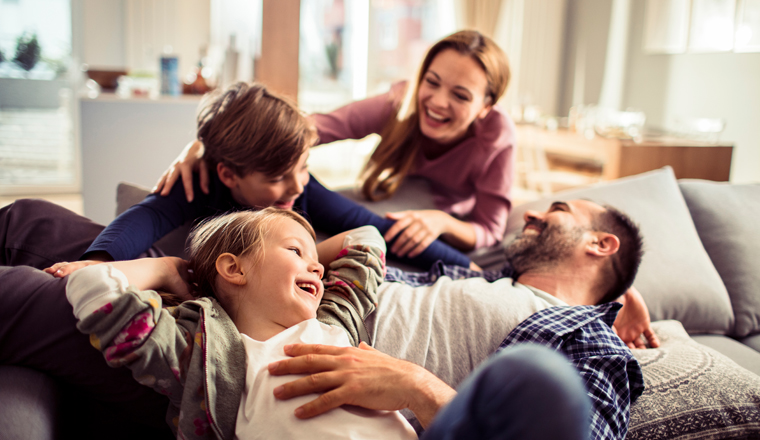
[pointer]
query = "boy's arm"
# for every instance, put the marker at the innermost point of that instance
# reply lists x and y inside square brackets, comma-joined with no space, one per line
[352,282]
[136,229]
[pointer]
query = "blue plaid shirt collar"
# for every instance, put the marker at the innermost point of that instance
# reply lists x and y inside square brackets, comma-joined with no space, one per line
[416,279]
[611,374]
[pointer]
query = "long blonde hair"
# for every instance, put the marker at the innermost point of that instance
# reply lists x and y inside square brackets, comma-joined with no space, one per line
[394,156]
[240,233]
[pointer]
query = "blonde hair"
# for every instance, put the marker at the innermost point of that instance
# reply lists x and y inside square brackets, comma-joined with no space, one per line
[248,128]
[241,234]
[394,156]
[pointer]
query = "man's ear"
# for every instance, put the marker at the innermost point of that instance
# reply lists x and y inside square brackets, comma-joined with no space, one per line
[226,175]
[230,268]
[603,244]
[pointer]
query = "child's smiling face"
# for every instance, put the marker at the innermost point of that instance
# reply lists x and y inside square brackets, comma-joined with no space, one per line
[286,282]
[260,190]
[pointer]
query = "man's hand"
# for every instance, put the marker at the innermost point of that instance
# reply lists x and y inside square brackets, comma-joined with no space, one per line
[189,160]
[633,321]
[359,376]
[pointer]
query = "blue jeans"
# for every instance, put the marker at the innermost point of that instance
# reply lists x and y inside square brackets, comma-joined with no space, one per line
[523,392]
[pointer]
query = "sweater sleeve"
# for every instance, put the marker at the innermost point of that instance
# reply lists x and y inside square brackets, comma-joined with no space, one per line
[358,119]
[492,204]
[352,282]
[333,213]
[135,230]
[131,329]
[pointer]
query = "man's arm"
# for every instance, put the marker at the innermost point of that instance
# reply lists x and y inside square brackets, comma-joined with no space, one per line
[633,321]
[359,376]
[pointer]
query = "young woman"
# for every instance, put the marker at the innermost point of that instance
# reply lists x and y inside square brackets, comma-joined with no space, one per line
[447,130]
[257,144]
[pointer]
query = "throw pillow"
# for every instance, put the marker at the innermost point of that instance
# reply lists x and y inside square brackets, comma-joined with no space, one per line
[725,216]
[693,392]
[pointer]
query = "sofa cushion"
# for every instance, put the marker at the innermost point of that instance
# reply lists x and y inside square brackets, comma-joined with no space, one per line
[726,217]
[737,351]
[676,277]
[693,391]
[753,342]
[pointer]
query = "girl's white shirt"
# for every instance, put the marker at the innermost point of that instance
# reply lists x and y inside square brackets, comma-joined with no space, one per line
[262,416]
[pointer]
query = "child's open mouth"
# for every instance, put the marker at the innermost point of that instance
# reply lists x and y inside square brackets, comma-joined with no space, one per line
[308,287]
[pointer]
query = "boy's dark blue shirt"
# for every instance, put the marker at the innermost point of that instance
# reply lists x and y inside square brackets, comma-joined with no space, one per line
[135,231]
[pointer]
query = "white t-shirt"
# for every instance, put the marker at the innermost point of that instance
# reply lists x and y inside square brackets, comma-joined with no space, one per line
[261,416]
[452,326]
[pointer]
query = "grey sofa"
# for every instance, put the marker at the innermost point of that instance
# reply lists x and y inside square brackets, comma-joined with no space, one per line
[700,278]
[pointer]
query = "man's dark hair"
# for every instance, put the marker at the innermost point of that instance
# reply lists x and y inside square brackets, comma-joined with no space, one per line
[625,262]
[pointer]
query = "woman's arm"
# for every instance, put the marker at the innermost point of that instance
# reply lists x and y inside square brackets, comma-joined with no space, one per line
[492,203]
[358,119]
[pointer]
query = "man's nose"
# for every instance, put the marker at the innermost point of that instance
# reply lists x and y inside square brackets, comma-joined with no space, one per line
[531,215]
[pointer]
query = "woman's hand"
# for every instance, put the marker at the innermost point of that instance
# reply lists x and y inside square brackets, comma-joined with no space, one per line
[416,230]
[189,160]
[633,321]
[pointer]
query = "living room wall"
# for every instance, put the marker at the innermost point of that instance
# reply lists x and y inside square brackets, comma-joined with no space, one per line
[711,85]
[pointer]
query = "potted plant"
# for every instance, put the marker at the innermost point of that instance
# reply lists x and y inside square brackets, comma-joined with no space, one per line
[27,51]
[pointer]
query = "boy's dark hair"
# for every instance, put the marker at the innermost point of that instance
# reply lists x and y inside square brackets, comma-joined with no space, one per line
[247,128]
[624,264]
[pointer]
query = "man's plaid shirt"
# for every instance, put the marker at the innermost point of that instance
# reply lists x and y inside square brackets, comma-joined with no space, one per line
[611,374]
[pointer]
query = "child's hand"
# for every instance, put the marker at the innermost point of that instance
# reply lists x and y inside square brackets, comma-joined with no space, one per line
[64,268]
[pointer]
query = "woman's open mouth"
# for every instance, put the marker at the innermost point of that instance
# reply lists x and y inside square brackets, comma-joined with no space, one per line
[435,119]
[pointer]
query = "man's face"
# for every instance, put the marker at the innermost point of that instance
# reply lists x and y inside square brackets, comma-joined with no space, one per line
[552,236]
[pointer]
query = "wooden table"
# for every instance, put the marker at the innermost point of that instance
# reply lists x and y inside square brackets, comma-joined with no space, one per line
[624,157]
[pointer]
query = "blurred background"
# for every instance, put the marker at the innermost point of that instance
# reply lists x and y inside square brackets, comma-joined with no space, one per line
[93,92]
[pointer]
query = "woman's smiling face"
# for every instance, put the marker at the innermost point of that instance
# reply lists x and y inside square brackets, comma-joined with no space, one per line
[451,96]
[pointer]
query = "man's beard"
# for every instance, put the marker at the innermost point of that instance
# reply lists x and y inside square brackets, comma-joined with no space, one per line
[544,250]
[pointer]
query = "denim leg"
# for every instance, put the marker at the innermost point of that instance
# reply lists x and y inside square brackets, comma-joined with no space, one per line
[523,392]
